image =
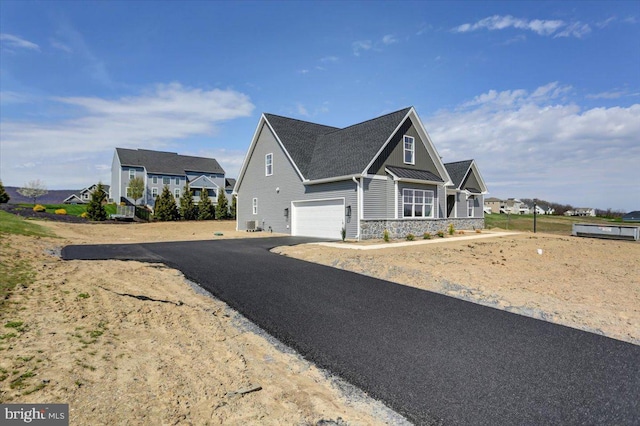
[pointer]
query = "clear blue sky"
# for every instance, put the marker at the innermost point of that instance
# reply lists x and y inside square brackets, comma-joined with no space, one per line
[544,95]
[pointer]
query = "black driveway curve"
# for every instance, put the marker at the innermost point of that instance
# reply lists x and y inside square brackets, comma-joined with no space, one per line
[432,358]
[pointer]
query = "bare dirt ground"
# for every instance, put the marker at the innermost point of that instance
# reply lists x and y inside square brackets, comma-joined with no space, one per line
[134,343]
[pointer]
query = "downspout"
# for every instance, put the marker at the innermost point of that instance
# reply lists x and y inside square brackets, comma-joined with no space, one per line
[358,195]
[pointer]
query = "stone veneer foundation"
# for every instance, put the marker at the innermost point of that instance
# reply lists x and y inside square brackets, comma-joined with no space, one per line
[399,228]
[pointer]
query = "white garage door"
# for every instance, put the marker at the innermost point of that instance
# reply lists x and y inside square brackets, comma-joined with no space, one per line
[322,218]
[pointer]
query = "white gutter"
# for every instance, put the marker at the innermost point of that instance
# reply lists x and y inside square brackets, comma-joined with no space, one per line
[331,179]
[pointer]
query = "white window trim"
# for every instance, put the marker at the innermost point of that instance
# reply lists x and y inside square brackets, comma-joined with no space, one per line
[268,164]
[412,150]
[255,206]
[154,192]
[176,193]
[132,173]
[127,192]
[168,180]
[177,181]
[470,207]
[424,203]
[154,180]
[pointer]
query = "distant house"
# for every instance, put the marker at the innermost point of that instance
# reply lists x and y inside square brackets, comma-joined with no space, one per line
[84,195]
[544,209]
[584,211]
[159,169]
[633,216]
[308,179]
[515,206]
[494,205]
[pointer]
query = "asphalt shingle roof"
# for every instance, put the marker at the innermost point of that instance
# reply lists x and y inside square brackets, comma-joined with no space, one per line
[414,174]
[168,163]
[322,151]
[457,171]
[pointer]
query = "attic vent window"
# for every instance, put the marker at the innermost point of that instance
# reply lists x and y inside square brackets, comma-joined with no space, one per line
[409,150]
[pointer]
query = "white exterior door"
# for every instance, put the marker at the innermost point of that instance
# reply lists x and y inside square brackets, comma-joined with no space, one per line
[320,218]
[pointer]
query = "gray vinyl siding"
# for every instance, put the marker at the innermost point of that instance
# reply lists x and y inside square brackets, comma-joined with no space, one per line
[375,194]
[275,193]
[393,153]
[124,176]
[115,189]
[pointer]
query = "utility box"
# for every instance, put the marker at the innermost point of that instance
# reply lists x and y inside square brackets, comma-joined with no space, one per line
[616,232]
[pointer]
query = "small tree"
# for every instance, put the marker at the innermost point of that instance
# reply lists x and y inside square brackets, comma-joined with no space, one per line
[206,210]
[136,189]
[33,190]
[95,209]
[234,205]
[4,197]
[165,208]
[188,208]
[222,208]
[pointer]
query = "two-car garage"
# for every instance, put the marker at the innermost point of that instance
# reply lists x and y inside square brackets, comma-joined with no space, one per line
[318,218]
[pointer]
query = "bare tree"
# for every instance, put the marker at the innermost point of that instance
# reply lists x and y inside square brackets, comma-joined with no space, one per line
[33,190]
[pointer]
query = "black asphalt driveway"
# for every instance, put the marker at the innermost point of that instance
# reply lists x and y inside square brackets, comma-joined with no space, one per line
[432,358]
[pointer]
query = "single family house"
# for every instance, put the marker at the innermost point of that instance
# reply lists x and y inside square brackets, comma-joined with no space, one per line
[308,179]
[84,195]
[159,169]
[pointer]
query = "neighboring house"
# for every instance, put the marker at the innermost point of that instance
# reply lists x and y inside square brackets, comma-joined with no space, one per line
[159,169]
[84,195]
[513,206]
[570,213]
[544,209]
[631,217]
[307,179]
[464,198]
[494,205]
[584,211]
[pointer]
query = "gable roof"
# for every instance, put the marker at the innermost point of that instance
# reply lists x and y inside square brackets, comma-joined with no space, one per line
[412,174]
[459,170]
[168,163]
[321,153]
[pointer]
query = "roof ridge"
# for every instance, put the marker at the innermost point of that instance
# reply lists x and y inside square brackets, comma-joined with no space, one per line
[461,161]
[301,121]
[373,119]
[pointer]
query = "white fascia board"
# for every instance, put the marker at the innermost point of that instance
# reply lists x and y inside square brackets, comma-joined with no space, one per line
[254,140]
[384,145]
[431,149]
[483,189]
[331,179]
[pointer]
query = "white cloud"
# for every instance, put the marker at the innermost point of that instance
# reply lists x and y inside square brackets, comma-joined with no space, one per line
[329,59]
[389,39]
[606,22]
[361,45]
[302,110]
[537,144]
[613,94]
[63,152]
[555,27]
[60,46]
[11,42]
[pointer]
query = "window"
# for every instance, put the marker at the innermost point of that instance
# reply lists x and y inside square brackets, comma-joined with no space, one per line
[268,164]
[166,180]
[154,192]
[128,192]
[176,193]
[132,173]
[417,203]
[255,206]
[470,207]
[154,180]
[85,196]
[409,150]
[177,181]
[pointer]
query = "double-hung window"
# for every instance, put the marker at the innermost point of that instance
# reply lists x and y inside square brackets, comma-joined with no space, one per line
[417,203]
[154,180]
[470,207]
[255,206]
[177,181]
[166,180]
[154,192]
[409,150]
[268,164]
[132,173]
[176,192]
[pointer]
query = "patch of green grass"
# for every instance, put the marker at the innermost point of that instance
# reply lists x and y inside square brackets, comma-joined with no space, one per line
[12,224]
[8,336]
[15,324]
[95,333]
[19,381]
[35,389]
[83,296]
[551,224]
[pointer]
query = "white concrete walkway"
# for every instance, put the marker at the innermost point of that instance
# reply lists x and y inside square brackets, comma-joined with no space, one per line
[433,240]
